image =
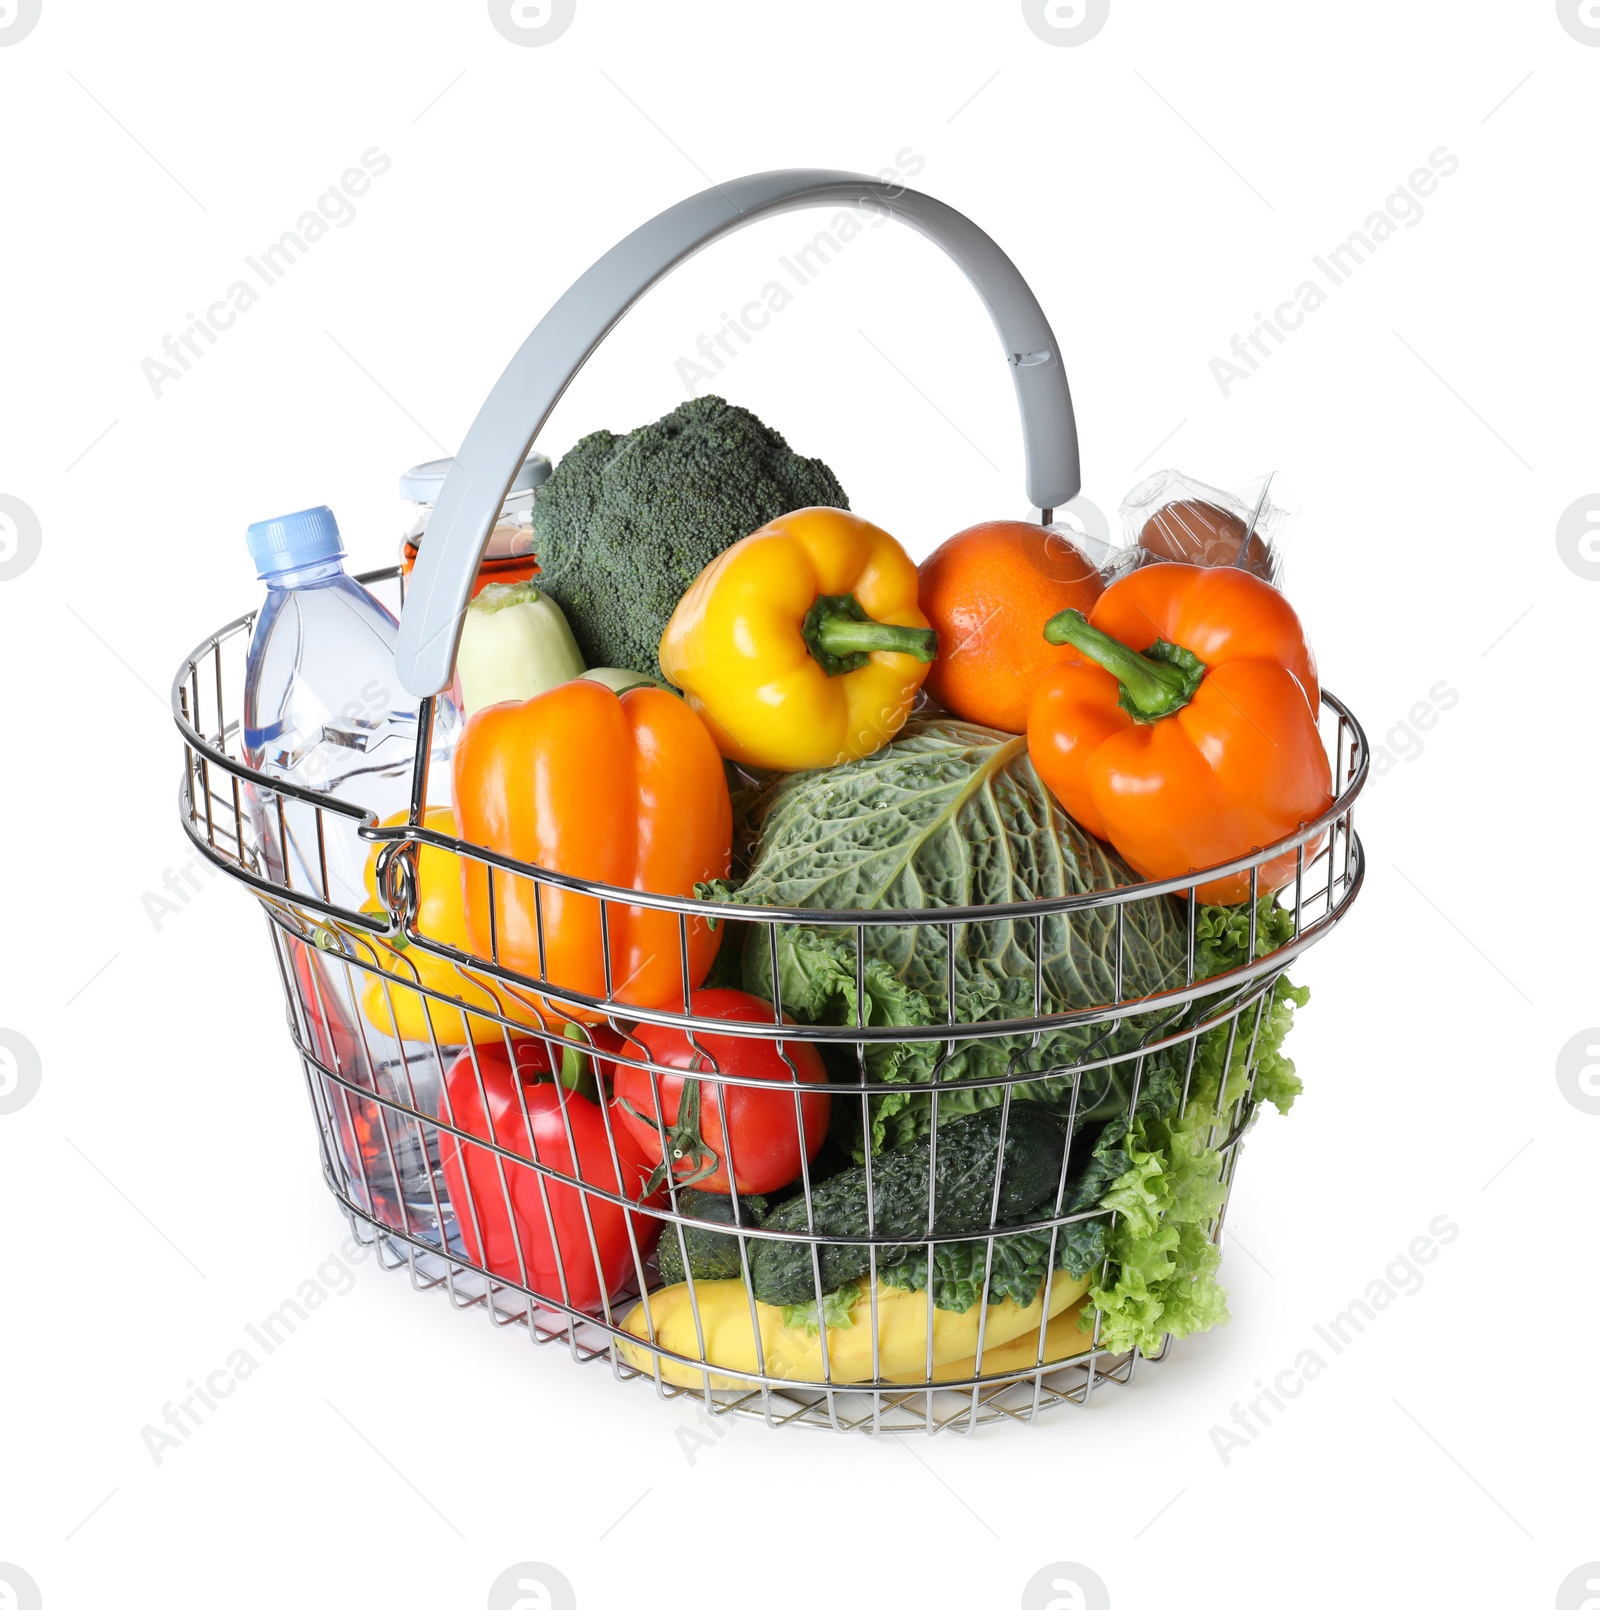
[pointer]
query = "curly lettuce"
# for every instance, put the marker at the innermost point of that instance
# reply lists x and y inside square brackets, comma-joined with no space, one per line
[836,1310]
[1161,1272]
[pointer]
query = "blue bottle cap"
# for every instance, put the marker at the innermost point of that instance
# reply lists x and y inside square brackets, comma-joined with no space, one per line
[292,541]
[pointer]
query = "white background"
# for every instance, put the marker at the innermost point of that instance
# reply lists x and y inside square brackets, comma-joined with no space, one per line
[1158,185]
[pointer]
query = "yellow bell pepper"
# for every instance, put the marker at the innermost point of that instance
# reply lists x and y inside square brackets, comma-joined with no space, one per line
[802,645]
[441,915]
[791,1354]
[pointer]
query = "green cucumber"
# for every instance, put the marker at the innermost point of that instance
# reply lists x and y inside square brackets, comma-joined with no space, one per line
[964,1199]
[712,1255]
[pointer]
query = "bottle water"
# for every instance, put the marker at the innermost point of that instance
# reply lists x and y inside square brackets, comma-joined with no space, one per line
[324,709]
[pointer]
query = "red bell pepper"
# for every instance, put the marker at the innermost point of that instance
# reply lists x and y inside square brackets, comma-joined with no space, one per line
[562,1243]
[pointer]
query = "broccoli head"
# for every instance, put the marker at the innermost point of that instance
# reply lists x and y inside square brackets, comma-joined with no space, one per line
[626,523]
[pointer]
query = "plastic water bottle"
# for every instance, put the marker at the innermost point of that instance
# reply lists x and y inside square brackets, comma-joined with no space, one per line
[323,708]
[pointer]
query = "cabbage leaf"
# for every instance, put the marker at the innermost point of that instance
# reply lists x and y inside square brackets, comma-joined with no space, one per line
[952,814]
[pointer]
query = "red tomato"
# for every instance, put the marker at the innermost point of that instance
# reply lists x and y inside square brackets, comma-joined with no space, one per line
[707,1121]
[547,1218]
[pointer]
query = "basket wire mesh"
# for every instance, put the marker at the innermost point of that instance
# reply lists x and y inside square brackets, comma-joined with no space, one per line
[398,1070]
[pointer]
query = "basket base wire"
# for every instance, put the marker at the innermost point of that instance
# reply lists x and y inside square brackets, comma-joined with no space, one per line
[888,1410]
[432,1264]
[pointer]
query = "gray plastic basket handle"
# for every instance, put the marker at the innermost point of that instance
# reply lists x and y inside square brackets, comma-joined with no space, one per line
[545,365]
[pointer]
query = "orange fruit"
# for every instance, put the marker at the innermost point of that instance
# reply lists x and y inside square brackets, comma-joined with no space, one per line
[988,592]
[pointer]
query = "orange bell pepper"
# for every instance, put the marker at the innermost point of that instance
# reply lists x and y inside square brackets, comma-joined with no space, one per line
[1186,734]
[627,791]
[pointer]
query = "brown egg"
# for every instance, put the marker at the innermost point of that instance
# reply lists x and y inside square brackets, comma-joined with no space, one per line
[1197,533]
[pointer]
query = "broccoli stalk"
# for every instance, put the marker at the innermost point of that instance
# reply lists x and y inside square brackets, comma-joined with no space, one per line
[626,523]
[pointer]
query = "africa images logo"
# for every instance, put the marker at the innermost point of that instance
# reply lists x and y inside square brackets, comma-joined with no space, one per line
[532,1585]
[1581,19]
[532,22]
[1578,535]
[1578,1071]
[1066,22]
[1580,1590]
[18,1590]
[20,535]
[18,19]
[21,1074]
[1066,1585]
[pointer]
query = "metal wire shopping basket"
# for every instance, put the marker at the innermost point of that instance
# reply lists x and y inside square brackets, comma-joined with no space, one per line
[503,1215]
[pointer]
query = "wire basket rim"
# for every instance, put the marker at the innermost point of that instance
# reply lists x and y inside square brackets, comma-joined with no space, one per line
[690,905]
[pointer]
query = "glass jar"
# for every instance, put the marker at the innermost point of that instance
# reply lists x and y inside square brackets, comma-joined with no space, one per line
[509,554]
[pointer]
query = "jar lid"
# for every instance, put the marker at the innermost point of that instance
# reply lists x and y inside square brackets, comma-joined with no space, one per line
[422,482]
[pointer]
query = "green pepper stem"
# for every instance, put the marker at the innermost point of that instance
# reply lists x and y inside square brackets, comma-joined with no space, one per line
[574,1073]
[840,635]
[1155,684]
